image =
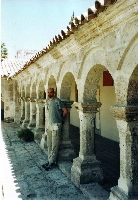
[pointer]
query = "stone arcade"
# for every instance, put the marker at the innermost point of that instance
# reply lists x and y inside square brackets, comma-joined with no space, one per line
[93,66]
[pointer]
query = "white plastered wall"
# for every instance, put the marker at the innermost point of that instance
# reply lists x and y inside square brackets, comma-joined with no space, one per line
[74,115]
[105,119]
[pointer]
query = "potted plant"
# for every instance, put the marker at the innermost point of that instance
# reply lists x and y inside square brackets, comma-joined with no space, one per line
[26,135]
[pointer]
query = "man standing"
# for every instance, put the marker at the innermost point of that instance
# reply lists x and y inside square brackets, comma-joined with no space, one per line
[56,112]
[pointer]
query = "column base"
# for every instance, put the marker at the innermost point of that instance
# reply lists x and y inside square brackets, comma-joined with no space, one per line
[66,152]
[86,171]
[118,194]
[43,142]
[21,120]
[8,119]
[25,123]
[31,125]
[38,132]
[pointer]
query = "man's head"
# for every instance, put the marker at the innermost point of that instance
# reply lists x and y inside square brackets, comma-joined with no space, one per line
[51,93]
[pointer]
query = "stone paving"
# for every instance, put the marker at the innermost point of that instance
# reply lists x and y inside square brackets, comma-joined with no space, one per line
[22,176]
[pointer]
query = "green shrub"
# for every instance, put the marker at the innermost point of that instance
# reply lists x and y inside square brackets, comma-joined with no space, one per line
[25,134]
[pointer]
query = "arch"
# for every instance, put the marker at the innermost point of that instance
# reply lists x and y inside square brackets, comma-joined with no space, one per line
[33,91]
[27,91]
[131,46]
[91,82]
[132,93]
[59,72]
[67,66]
[52,84]
[22,91]
[44,76]
[125,81]
[91,58]
[27,81]
[95,90]
[68,87]
[41,90]
[51,71]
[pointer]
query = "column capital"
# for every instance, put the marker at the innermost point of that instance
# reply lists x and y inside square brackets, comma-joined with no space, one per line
[124,112]
[88,107]
[32,99]
[67,103]
[40,100]
[22,98]
[26,99]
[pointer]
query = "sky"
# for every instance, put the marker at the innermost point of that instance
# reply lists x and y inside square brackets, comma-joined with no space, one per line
[31,24]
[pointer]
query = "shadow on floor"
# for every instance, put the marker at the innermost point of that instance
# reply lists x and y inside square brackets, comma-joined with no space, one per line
[107,152]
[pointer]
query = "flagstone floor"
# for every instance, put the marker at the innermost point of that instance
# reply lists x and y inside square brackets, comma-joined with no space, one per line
[22,176]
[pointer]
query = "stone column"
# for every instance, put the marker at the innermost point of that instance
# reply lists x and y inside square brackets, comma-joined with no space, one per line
[22,109]
[43,143]
[27,113]
[127,123]
[40,121]
[86,168]
[8,99]
[32,123]
[17,100]
[66,150]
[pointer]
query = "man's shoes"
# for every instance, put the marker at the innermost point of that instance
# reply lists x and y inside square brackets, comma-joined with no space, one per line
[45,165]
[50,166]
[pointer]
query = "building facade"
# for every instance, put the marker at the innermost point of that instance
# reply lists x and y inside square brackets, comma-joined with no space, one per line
[93,66]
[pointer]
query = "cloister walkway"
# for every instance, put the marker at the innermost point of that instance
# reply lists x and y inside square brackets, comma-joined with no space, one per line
[22,176]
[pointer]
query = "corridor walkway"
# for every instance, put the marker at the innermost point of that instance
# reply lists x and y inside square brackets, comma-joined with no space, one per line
[22,176]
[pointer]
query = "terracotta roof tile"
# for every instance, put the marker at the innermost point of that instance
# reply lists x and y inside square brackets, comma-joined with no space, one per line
[11,67]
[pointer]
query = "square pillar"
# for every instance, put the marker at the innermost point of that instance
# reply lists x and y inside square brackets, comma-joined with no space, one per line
[40,126]
[22,109]
[16,98]
[66,150]
[27,113]
[86,168]
[43,142]
[32,123]
[8,98]
[127,123]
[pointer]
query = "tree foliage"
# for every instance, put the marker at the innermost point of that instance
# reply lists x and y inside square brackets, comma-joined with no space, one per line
[4,51]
